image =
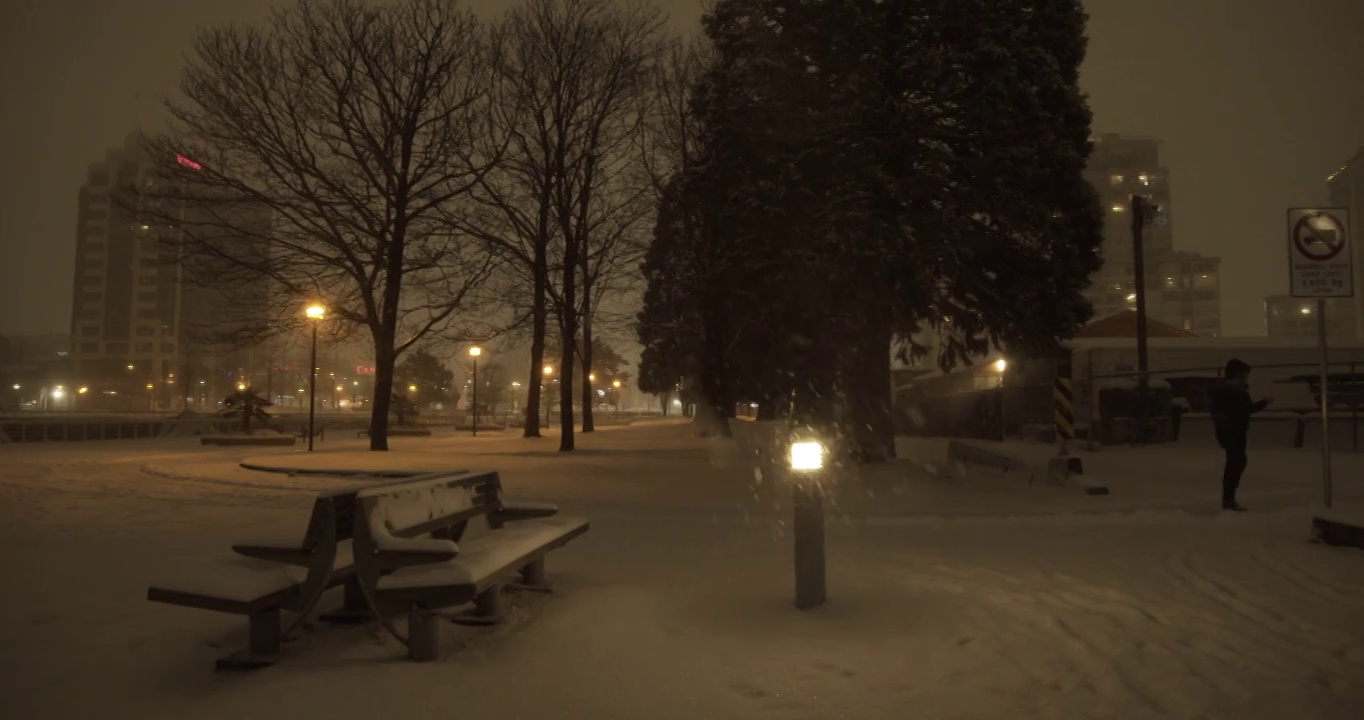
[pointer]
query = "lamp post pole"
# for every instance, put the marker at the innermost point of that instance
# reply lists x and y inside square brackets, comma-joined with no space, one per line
[474,352]
[314,313]
[312,389]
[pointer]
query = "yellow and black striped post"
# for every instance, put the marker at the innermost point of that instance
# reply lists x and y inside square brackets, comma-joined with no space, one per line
[1064,401]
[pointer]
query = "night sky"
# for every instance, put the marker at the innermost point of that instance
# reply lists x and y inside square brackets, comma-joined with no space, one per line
[1257,101]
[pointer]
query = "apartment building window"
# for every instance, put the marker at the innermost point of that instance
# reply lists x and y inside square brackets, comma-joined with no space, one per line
[146,296]
[90,347]
[146,330]
[146,314]
[96,213]
[145,347]
[167,347]
[1116,179]
[89,329]
[89,295]
[118,348]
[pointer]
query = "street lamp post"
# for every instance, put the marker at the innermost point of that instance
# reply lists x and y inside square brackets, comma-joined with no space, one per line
[474,352]
[615,385]
[315,314]
[806,463]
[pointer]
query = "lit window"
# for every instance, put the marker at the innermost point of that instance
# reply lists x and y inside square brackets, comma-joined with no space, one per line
[1116,179]
[1144,179]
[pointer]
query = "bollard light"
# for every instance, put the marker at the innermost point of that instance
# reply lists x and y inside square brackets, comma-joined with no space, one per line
[805,460]
[807,456]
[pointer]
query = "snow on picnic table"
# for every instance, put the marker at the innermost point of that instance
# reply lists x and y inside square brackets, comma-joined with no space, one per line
[678,605]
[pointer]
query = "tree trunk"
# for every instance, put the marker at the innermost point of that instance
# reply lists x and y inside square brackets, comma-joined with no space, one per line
[383,390]
[566,388]
[709,421]
[665,399]
[588,399]
[568,338]
[864,389]
[385,336]
[539,326]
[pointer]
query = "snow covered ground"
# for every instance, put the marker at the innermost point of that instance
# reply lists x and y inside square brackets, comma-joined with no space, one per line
[963,597]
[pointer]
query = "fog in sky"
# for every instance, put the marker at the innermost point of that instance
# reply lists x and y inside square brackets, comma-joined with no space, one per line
[1257,102]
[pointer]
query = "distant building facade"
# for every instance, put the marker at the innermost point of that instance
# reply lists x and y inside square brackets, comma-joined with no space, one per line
[139,320]
[1290,317]
[1183,289]
[1346,189]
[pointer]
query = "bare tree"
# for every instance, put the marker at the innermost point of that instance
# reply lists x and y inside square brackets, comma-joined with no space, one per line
[573,73]
[359,130]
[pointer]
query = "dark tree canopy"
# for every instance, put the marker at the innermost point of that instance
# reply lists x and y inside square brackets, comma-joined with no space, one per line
[865,171]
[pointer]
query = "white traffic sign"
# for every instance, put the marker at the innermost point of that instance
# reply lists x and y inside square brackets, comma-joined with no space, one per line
[1319,253]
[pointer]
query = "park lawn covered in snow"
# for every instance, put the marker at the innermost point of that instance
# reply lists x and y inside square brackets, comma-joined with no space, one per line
[1026,603]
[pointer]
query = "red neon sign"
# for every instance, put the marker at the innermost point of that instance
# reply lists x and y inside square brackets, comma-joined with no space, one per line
[188,163]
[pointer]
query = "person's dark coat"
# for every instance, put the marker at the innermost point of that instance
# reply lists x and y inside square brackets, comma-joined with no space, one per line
[1231,410]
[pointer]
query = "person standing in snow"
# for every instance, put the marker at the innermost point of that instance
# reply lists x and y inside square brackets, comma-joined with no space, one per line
[1231,411]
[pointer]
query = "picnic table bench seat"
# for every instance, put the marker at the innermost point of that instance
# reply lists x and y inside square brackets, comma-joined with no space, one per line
[262,579]
[411,550]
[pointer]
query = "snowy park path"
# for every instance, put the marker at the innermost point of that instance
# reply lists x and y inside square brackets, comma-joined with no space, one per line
[677,603]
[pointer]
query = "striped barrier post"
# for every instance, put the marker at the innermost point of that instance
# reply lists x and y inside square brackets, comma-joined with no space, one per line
[1064,401]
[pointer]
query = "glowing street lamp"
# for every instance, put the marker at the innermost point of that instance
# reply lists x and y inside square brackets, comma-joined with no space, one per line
[805,460]
[241,386]
[474,352]
[1001,365]
[316,314]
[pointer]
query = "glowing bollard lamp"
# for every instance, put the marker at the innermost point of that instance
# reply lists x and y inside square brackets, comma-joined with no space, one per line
[806,462]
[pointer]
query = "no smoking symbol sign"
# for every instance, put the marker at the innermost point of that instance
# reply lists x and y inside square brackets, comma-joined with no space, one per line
[1319,236]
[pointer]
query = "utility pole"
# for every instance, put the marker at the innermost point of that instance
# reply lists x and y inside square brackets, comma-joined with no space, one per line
[1139,211]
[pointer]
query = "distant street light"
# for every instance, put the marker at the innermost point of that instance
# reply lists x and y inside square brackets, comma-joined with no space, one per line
[316,314]
[1001,365]
[474,352]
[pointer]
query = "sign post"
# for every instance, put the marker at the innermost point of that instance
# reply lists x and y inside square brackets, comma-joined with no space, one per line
[1319,267]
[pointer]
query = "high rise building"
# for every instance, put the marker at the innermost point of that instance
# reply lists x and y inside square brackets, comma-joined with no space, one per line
[1290,317]
[1182,288]
[141,315]
[1346,189]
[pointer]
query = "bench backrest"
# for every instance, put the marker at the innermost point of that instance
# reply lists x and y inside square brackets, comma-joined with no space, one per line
[414,507]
